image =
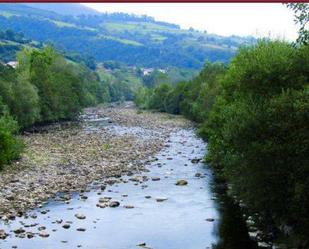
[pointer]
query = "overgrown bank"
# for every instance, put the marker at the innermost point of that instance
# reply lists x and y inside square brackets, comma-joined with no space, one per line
[254,114]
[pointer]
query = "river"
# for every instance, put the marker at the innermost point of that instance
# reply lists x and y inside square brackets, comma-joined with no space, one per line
[155,213]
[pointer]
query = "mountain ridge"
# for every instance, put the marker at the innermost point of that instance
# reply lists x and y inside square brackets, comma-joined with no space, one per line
[131,39]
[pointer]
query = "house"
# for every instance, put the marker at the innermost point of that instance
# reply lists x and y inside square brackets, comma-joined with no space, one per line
[147,71]
[12,64]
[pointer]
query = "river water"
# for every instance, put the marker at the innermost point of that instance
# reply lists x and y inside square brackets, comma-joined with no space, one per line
[189,218]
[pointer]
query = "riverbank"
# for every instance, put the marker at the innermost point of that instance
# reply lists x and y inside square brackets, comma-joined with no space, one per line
[68,158]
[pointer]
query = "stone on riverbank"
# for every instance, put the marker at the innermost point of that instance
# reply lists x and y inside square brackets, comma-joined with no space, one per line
[161,199]
[66,226]
[3,234]
[43,234]
[114,204]
[181,182]
[80,216]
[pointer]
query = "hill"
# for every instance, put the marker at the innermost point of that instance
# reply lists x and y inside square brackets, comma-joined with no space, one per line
[134,40]
[64,8]
[11,42]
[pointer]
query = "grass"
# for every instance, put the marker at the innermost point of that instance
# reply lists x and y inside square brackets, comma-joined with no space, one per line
[7,14]
[63,24]
[69,25]
[118,27]
[158,37]
[141,27]
[124,41]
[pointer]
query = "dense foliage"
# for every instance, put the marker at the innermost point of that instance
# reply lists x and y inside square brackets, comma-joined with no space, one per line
[44,87]
[10,146]
[254,115]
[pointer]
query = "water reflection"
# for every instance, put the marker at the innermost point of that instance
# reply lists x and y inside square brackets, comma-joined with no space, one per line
[232,230]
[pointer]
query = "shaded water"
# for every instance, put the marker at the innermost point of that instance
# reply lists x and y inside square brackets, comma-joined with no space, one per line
[188,219]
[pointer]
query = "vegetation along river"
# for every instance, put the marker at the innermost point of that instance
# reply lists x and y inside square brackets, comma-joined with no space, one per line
[164,199]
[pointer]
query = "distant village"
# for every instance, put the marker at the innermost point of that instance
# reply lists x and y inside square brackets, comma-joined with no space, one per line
[145,71]
[148,71]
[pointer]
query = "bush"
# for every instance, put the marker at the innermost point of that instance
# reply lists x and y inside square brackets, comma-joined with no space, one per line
[10,146]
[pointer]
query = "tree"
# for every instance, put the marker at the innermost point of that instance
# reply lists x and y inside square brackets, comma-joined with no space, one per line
[301,12]
[10,146]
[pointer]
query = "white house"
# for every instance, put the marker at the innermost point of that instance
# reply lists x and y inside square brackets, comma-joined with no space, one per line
[12,64]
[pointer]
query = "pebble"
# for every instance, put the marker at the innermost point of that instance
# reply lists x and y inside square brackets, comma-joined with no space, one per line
[59,221]
[100,205]
[114,204]
[128,206]
[141,244]
[155,178]
[80,216]
[43,234]
[66,226]
[195,160]
[181,182]
[161,199]
[19,230]
[3,234]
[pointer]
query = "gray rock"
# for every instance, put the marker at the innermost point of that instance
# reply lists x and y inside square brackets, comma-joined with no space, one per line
[128,206]
[3,234]
[114,204]
[80,216]
[161,199]
[66,226]
[41,228]
[19,230]
[195,160]
[181,182]
[43,234]
[30,235]
[141,244]
[155,178]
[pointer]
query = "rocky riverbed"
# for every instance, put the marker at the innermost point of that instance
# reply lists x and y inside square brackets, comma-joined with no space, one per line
[145,187]
[67,158]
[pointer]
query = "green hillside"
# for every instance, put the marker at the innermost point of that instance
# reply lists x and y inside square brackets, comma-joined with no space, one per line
[11,42]
[133,40]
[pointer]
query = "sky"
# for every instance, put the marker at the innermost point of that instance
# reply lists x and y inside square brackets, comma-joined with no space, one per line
[272,20]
